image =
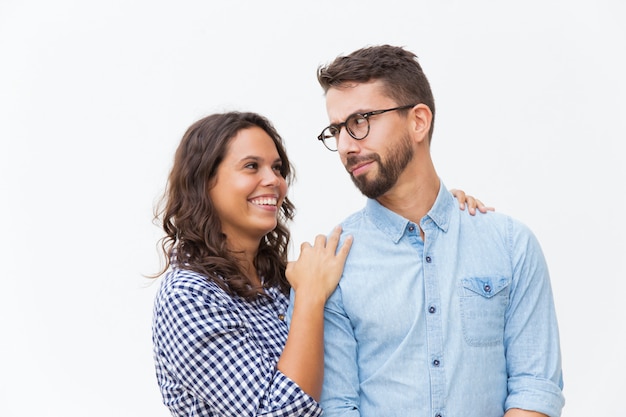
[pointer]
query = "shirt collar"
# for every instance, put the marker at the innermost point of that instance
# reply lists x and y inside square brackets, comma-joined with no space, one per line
[443,208]
[394,225]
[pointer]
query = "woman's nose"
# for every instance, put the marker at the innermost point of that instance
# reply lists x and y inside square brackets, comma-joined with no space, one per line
[271,176]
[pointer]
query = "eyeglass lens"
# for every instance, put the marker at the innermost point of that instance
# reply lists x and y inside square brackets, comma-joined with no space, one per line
[356,125]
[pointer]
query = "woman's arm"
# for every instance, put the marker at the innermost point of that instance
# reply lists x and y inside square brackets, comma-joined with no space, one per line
[210,354]
[313,277]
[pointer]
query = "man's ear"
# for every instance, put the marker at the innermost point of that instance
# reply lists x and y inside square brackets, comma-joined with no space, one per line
[421,118]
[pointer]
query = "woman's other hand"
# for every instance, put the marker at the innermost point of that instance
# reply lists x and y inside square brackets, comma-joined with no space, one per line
[472,202]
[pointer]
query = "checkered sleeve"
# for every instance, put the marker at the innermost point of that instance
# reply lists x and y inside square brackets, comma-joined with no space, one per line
[211,353]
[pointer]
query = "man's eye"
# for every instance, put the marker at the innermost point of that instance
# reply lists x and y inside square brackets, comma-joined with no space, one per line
[333,131]
[359,120]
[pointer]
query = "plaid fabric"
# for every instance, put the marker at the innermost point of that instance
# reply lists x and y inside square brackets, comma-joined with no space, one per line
[216,355]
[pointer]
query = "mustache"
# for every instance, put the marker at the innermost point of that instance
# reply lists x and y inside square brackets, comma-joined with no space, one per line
[354,160]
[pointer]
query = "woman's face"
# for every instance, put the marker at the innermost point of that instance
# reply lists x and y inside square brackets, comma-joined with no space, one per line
[248,189]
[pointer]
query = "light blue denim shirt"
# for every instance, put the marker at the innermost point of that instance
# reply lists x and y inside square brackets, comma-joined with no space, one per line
[460,324]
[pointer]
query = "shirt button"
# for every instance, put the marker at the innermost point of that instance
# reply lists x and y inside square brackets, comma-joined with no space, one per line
[281,317]
[428,259]
[432,309]
[411,228]
[438,415]
[487,288]
[436,362]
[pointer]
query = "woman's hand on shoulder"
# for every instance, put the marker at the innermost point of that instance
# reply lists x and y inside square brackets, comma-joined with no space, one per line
[472,202]
[319,266]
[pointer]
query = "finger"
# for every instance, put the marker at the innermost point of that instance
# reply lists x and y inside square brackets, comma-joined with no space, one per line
[333,238]
[482,207]
[304,246]
[460,196]
[343,251]
[320,241]
[289,271]
[471,205]
[471,201]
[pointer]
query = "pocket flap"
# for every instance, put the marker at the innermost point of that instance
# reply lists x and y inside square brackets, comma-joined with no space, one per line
[487,287]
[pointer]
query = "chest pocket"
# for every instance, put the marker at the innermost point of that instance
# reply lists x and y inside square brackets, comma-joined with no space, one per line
[483,305]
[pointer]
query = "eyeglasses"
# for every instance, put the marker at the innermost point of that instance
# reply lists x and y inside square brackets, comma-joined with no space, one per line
[357,125]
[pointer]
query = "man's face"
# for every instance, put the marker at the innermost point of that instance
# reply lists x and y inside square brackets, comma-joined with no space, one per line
[375,162]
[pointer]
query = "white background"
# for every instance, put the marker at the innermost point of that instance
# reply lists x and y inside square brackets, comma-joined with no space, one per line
[94,97]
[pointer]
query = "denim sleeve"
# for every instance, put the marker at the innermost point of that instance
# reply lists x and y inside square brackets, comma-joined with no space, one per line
[340,392]
[531,336]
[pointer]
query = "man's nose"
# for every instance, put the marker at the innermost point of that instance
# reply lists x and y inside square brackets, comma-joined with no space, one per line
[346,143]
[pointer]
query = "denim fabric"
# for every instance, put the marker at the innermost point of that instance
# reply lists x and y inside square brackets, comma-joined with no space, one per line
[460,324]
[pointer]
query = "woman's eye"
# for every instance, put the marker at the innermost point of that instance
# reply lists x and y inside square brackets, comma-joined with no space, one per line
[278,168]
[251,165]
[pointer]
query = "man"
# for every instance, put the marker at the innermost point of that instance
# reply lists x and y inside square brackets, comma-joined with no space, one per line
[438,313]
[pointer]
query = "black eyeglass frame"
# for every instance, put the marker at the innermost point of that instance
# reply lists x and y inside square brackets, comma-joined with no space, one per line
[365,116]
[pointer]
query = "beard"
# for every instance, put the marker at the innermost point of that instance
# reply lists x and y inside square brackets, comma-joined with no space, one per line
[388,171]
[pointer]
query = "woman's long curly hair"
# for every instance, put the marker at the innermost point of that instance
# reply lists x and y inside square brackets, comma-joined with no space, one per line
[193,234]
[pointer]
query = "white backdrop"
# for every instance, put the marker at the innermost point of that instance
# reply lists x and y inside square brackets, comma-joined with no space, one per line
[94,97]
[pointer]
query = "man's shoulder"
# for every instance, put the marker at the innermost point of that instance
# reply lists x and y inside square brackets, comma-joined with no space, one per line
[353,219]
[363,224]
[496,222]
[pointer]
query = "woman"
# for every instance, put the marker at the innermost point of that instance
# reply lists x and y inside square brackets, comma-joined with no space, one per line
[221,344]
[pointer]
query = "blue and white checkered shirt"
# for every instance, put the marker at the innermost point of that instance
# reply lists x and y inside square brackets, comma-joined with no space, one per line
[216,355]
